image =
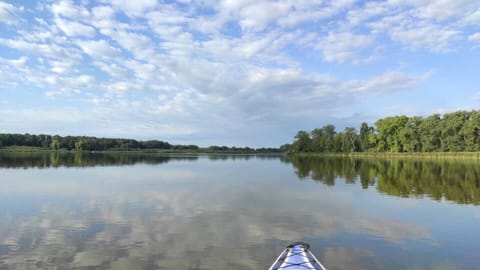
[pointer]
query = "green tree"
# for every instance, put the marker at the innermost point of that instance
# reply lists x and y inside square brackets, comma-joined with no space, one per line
[410,135]
[364,137]
[79,145]
[302,143]
[430,133]
[318,140]
[285,147]
[471,132]
[389,130]
[55,145]
[329,131]
[350,142]
[453,139]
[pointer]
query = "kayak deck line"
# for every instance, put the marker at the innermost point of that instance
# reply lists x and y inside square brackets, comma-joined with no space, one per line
[297,256]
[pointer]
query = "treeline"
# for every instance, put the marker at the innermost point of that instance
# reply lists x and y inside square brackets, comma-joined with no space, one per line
[453,132]
[81,143]
[84,143]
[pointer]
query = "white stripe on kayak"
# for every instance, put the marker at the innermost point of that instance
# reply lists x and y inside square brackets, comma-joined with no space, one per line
[281,254]
[315,258]
[284,264]
[309,263]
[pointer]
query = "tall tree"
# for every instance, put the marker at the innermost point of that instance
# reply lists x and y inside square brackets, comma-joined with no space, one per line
[318,140]
[329,131]
[410,135]
[364,137]
[55,144]
[471,132]
[430,133]
[302,143]
[388,129]
[350,140]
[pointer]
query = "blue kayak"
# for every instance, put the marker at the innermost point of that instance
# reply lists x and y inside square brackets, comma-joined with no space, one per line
[297,256]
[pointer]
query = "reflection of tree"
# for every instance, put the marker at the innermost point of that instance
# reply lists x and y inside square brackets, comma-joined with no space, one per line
[451,180]
[84,159]
[80,159]
[59,159]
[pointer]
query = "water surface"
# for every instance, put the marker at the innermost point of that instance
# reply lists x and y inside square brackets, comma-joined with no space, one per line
[118,211]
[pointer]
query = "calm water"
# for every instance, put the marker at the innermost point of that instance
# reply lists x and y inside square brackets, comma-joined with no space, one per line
[160,212]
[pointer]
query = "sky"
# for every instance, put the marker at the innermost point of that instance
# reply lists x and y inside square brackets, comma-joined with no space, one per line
[226,72]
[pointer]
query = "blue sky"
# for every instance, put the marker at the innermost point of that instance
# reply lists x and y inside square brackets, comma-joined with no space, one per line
[246,72]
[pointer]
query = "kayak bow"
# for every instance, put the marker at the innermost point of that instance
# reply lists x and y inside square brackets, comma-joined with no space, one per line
[297,256]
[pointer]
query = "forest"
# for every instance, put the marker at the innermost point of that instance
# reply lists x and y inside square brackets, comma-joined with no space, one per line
[451,132]
[84,143]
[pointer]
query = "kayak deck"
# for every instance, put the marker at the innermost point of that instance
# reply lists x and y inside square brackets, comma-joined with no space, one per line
[297,256]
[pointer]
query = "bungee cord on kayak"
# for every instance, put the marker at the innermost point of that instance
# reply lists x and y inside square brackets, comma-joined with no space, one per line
[297,256]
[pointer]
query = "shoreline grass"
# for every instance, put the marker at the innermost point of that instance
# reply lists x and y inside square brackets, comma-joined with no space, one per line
[427,155]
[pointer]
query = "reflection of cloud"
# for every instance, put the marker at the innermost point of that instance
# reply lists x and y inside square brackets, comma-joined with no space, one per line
[392,230]
[437,266]
[349,258]
[403,204]
[174,216]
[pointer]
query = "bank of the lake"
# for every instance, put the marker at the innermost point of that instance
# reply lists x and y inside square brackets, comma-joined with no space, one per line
[206,151]
[200,151]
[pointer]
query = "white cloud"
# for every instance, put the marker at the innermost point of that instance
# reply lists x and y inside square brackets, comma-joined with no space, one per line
[61,66]
[41,49]
[313,11]
[474,17]
[74,29]
[103,12]
[112,69]
[474,37]
[257,16]
[20,62]
[388,82]
[67,9]
[122,86]
[367,12]
[83,80]
[98,48]
[139,45]
[417,24]
[143,71]
[9,13]
[446,9]
[431,37]
[133,8]
[67,84]
[343,47]
[416,34]
[167,16]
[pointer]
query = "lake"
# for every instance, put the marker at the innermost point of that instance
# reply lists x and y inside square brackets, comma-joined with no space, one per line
[147,211]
